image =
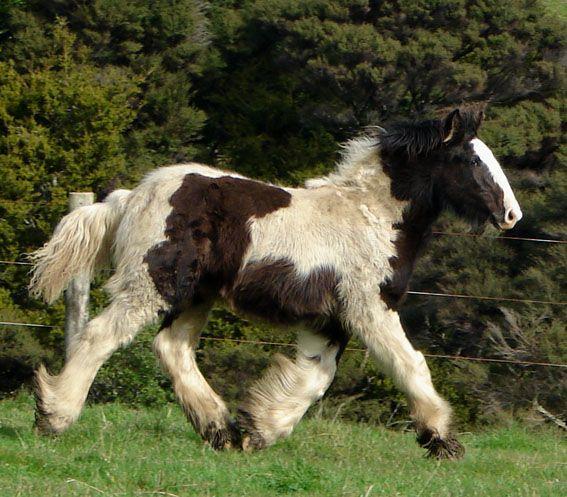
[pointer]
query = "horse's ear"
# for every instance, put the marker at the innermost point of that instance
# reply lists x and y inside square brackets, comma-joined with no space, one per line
[478,116]
[453,127]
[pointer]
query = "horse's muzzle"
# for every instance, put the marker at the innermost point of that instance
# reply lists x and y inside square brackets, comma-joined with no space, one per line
[509,219]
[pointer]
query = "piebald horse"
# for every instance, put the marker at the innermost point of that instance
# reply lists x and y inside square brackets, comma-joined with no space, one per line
[332,259]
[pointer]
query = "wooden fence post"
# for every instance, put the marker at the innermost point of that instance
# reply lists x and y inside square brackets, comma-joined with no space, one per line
[77,294]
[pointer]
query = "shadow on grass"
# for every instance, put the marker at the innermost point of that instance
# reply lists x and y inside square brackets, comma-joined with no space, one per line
[9,432]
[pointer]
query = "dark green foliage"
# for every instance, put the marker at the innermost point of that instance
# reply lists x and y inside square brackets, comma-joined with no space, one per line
[133,376]
[61,130]
[298,76]
[95,93]
[160,45]
[84,106]
[164,44]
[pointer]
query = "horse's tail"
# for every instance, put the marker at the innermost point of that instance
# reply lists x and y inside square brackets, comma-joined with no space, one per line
[81,243]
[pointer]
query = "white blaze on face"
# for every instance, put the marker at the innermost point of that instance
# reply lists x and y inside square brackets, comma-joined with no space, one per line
[512,212]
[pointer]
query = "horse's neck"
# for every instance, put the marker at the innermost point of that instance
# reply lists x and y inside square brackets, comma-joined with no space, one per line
[388,193]
[363,177]
[413,234]
[415,230]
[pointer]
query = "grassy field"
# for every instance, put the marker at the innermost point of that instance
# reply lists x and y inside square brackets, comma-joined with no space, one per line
[115,450]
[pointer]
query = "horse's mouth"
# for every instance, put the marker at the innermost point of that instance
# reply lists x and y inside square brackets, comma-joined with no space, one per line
[496,223]
[508,218]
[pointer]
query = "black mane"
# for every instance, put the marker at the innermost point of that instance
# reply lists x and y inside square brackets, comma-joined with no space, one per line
[425,137]
[418,138]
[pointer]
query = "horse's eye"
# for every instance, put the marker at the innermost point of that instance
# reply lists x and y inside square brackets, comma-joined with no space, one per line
[475,161]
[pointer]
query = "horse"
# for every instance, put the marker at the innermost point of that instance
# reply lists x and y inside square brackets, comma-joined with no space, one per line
[332,260]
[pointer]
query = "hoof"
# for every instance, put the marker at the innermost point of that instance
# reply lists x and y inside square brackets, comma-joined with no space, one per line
[251,438]
[222,437]
[47,422]
[44,426]
[440,448]
[252,442]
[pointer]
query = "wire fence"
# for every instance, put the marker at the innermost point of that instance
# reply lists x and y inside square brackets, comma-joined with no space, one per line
[486,297]
[22,263]
[506,237]
[28,325]
[411,292]
[25,202]
[436,233]
[348,349]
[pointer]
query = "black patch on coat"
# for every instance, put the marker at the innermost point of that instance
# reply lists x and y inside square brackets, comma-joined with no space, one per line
[207,235]
[337,334]
[272,289]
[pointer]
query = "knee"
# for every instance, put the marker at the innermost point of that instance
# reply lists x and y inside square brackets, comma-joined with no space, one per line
[94,340]
[420,368]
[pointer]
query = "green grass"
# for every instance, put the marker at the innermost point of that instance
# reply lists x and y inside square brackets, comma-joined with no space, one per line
[114,450]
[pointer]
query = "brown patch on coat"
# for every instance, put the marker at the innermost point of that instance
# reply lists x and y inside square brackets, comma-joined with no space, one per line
[414,233]
[337,334]
[207,235]
[274,290]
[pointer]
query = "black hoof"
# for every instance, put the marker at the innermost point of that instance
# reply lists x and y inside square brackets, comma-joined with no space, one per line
[251,438]
[49,424]
[440,448]
[223,437]
[42,425]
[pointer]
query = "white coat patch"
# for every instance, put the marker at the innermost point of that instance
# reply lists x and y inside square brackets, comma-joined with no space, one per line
[486,156]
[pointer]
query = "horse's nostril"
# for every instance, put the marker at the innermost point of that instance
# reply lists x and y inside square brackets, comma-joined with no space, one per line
[511,217]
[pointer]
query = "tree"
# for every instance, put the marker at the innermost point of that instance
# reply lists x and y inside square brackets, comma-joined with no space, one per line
[297,77]
[162,45]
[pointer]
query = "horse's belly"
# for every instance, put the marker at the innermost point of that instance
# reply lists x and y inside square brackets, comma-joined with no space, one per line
[275,291]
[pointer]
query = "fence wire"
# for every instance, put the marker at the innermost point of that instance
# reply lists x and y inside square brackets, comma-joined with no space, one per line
[411,292]
[349,349]
[488,237]
[437,233]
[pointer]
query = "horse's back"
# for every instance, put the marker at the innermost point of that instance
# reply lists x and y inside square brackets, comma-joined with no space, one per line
[190,226]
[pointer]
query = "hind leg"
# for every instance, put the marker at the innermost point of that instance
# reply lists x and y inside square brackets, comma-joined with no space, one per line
[278,401]
[60,398]
[175,347]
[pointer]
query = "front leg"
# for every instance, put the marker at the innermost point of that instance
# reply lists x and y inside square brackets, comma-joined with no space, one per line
[380,329]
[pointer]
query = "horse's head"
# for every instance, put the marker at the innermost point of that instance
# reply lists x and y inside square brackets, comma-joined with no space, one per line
[445,161]
[468,176]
